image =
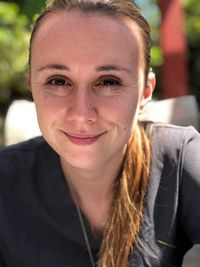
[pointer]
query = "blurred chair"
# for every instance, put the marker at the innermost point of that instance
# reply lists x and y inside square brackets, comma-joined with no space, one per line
[181,111]
[20,122]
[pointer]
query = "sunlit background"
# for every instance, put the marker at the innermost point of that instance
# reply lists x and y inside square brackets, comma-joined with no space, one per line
[17,16]
[175,26]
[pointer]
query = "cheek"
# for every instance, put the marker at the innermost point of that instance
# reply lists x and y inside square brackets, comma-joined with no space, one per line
[125,110]
[48,114]
[48,106]
[130,118]
[123,115]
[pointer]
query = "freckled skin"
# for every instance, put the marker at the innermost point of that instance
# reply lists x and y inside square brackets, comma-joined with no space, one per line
[75,96]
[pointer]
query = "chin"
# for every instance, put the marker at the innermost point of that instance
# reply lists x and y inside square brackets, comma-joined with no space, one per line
[80,164]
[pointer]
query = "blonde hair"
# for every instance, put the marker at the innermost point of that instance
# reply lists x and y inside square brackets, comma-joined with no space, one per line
[125,219]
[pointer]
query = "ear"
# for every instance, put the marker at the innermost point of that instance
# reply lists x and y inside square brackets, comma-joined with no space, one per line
[28,80]
[148,91]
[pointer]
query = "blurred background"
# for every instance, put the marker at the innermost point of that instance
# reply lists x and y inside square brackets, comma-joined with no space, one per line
[175,55]
[175,51]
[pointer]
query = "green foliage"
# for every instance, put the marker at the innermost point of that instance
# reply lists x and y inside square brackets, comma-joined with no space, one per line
[192,23]
[15,20]
[29,7]
[14,41]
[156,56]
[151,12]
[192,28]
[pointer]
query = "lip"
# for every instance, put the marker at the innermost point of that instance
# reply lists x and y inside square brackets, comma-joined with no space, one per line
[83,139]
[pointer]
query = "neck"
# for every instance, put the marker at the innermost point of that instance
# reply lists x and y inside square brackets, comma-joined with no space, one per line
[92,190]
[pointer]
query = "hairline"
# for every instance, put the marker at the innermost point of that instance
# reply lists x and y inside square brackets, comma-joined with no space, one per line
[85,12]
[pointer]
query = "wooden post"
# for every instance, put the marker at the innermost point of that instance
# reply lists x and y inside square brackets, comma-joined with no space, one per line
[174,46]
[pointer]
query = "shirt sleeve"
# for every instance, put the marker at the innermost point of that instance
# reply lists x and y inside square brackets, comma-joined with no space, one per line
[190,187]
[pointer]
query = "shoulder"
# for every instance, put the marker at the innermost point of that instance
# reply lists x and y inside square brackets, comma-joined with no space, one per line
[31,144]
[170,132]
[174,183]
[174,149]
[19,163]
[175,165]
[171,139]
[20,151]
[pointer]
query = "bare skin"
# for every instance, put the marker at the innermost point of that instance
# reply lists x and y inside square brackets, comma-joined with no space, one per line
[87,81]
[91,194]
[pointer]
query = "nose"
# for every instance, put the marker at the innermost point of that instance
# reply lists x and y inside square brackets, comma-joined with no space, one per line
[82,108]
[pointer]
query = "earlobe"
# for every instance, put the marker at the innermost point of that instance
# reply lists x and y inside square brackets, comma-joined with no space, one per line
[148,91]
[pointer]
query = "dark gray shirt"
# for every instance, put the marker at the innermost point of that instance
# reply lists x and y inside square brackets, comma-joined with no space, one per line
[39,226]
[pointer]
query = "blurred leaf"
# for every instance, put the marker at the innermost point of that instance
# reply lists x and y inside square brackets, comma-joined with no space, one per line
[14,42]
[29,7]
[156,56]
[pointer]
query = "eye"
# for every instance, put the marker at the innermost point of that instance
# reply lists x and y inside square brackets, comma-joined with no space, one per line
[58,81]
[109,82]
[108,86]
[59,86]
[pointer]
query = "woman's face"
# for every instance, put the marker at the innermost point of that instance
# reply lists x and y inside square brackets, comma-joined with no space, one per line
[87,81]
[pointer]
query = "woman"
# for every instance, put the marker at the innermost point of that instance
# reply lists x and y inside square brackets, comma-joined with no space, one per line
[98,189]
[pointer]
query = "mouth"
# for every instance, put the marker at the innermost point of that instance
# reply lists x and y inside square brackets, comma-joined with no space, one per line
[83,139]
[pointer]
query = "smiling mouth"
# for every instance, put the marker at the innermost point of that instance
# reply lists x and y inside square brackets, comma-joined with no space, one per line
[79,139]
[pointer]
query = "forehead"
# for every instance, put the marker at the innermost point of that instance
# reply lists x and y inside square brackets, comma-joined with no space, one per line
[77,31]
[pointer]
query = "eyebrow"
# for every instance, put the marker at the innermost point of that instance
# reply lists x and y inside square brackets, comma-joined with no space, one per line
[111,67]
[98,69]
[54,67]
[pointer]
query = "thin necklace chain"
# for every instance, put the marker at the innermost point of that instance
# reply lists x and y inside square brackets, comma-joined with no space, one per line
[83,228]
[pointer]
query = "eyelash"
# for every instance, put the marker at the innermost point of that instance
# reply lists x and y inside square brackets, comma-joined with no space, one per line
[109,82]
[104,82]
[61,81]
